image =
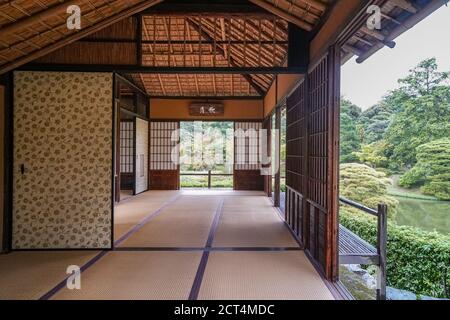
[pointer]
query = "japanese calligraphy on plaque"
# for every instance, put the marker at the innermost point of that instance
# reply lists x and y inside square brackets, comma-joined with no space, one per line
[206,109]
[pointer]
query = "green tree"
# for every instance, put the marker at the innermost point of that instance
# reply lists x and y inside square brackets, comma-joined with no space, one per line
[375,121]
[424,115]
[424,78]
[366,185]
[350,139]
[432,170]
[424,119]
[373,154]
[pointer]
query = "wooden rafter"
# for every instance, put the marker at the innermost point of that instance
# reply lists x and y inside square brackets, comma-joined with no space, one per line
[378,36]
[161,84]
[220,49]
[188,30]
[35,18]
[283,14]
[239,57]
[405,5]
[79,35]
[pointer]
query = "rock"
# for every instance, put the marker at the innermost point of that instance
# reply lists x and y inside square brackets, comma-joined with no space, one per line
[398,294]
[430,298]
[370,281]
[355,284]
[356,268]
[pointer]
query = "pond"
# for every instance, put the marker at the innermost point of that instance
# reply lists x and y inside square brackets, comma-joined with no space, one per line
[428,215]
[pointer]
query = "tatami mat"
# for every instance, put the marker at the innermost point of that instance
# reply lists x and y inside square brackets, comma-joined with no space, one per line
[262,275]
[131,211]
[137,276]
[31,274]
[185,223]
[251,222]
[183,220]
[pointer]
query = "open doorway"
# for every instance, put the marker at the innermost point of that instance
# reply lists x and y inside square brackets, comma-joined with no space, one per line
[206,154]
[132,141]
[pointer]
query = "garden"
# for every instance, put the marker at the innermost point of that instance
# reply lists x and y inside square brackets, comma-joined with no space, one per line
[398,152]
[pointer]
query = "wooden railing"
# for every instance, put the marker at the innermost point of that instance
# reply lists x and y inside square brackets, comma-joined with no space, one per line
[381,214]
[209,174]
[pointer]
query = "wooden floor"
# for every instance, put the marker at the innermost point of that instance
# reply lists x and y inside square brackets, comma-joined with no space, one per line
[177,245]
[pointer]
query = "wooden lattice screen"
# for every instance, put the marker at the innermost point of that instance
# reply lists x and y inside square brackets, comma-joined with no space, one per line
[126,146]
[164,149]
[312,159]
[266,125]
[247,167]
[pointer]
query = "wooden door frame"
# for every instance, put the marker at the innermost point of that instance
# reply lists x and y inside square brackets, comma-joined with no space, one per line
[8,154]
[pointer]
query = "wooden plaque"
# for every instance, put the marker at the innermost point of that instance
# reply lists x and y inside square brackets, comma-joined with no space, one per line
[206,109]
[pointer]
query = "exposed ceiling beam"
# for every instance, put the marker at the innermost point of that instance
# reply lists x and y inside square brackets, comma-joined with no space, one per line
[316,4]
[405,26]
[405,5]
[78,35]
[163,70]
[305,12]
[206,8]
[283,14]
[35,18]
[161,84]
[378,36]
[352,49]
[222,51]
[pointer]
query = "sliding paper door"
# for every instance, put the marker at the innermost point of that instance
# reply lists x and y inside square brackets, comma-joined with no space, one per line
[164,155]
[141,156]
[247,158]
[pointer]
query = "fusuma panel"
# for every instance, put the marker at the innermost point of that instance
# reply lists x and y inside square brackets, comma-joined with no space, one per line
[62,176]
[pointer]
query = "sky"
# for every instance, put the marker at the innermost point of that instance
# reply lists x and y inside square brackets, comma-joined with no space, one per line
[365,84]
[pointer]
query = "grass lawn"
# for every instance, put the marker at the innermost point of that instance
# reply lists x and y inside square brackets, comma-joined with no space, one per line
[413,193]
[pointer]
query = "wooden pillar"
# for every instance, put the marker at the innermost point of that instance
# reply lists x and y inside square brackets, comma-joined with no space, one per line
[2,167]
[6,169]
[276,199]
[381,250]
[116,108]
[333,158]
[139,39]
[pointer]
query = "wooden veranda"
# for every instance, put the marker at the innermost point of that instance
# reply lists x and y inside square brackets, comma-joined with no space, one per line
[154,58]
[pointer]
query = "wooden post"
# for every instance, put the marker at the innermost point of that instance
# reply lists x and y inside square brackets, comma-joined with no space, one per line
[209,179]
[277,186]
[381,248]
[139,40]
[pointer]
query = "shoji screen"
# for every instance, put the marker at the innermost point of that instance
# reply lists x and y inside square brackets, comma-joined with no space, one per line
[141,163]
[164,155]
[126,154]
[247,158]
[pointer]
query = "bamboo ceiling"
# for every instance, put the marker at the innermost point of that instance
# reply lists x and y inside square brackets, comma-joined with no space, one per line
[35,30]
[30,26]
[225,41]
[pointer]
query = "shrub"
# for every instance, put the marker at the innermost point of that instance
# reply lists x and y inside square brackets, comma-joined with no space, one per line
[418,261]
[366,185]
[432,170]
